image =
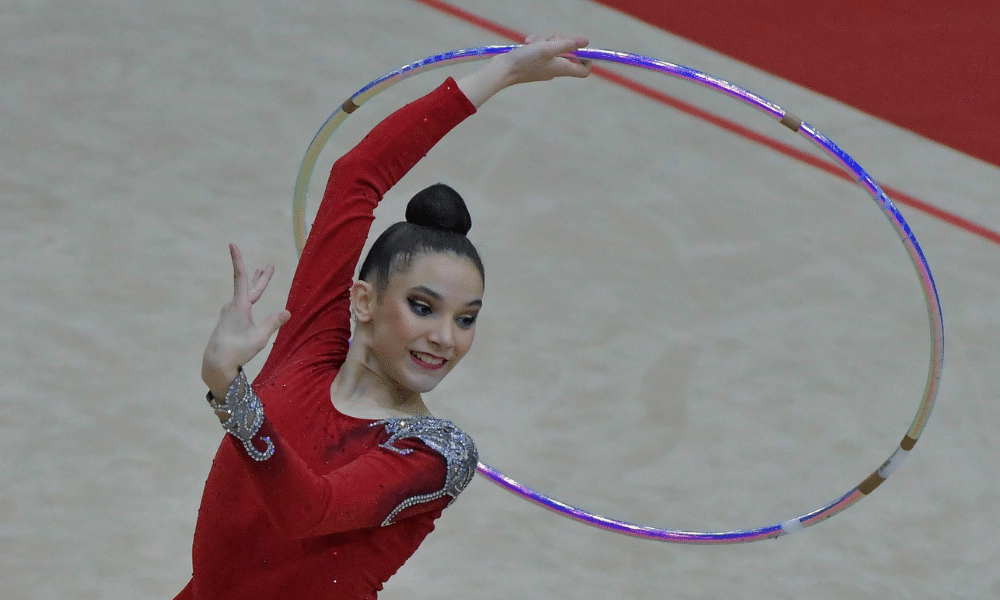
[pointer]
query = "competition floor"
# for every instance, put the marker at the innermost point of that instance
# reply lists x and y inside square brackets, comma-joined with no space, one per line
[683,328]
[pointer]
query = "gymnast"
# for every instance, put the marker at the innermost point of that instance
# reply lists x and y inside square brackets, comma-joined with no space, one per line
[335,470]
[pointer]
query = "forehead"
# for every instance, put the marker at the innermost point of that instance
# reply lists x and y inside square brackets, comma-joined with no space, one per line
[449,275]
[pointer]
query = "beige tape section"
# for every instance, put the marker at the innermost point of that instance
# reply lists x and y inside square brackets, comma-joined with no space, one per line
[349,106]
[908,443]
[868,485]
[791,121]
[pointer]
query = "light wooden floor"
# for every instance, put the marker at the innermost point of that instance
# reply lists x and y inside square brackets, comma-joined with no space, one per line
[682,328]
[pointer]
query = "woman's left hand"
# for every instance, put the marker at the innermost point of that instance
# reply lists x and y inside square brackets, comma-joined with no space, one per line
[237,338]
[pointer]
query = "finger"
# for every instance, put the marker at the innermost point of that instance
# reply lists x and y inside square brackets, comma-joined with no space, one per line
[239,273]
[531,39]
[253,282]
[260,281]
[561,45]
[578,68]
[256,277]
[273,323]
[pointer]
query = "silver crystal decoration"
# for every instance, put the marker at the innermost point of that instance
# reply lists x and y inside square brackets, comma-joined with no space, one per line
[456,446]
[246,415]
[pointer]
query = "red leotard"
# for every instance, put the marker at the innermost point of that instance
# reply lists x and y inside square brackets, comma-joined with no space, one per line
[306,523]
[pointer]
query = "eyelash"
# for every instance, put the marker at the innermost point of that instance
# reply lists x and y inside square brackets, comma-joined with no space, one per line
[419,308]
[422,309]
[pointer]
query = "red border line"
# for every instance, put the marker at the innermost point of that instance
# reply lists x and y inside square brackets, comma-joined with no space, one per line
[744,132]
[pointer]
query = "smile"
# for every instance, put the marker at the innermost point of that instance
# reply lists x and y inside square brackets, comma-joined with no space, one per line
[427,361]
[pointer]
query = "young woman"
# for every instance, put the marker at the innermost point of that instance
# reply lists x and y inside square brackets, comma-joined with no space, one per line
[334,470]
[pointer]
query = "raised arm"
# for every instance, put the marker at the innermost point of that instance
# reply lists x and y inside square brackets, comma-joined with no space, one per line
[318,300]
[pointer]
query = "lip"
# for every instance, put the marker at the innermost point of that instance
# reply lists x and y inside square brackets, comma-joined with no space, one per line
[426,365]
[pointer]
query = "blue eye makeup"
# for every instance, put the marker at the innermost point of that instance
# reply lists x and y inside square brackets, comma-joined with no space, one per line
[418,307]
[423,309]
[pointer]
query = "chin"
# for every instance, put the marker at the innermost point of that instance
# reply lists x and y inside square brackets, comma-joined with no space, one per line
[413,383]
[421,381]
[424,386]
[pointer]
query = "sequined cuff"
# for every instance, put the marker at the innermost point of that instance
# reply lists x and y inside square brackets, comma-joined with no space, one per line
[242,414]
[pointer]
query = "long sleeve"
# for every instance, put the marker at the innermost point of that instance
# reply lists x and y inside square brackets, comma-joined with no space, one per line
[359,495]
[319,299]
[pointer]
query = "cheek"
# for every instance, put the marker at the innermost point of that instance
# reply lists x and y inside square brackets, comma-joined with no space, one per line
[408,326]
[464,338]
[395,327]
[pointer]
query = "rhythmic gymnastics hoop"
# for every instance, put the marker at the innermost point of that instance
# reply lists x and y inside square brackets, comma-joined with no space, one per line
[788,120]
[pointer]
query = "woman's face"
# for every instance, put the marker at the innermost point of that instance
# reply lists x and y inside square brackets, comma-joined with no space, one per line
[425,320]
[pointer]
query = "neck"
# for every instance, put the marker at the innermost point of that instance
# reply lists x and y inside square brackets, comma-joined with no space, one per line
[361,390]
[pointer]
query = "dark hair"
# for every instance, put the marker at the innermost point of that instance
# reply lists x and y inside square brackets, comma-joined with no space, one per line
[437,220]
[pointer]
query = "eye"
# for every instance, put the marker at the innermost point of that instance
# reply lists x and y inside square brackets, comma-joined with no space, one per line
[419,307]
[467,321]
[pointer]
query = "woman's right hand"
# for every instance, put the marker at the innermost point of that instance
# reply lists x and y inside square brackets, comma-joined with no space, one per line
[237,338]
[536,60]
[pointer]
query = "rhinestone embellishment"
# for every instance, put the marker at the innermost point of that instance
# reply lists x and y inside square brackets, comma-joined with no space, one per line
[456,446]
[245,414]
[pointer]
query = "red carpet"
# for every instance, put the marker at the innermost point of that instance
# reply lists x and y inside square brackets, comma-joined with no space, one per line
[929,66]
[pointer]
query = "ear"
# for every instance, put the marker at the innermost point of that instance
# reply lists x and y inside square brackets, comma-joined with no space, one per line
[363,300]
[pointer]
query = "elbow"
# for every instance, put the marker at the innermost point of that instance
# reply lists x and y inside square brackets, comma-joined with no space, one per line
[315,521]
[353,177]
[298,512]
[298,522]
[316,515]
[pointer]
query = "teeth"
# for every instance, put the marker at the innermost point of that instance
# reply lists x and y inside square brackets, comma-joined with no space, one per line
[427,358]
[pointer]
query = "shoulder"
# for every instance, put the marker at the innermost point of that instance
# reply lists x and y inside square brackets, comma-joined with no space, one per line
[444,438]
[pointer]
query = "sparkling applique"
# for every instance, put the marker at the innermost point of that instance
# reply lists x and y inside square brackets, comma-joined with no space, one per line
[242,414]
[456,446]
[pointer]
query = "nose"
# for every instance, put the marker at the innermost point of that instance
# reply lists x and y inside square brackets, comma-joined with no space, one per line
[442,335]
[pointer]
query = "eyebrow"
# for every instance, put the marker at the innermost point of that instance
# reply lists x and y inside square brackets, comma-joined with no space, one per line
[423,289]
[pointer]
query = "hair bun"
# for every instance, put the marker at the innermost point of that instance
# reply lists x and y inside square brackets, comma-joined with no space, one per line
[439,207]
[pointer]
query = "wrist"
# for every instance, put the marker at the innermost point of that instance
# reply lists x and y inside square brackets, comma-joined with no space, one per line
[218,376]
[481,85]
